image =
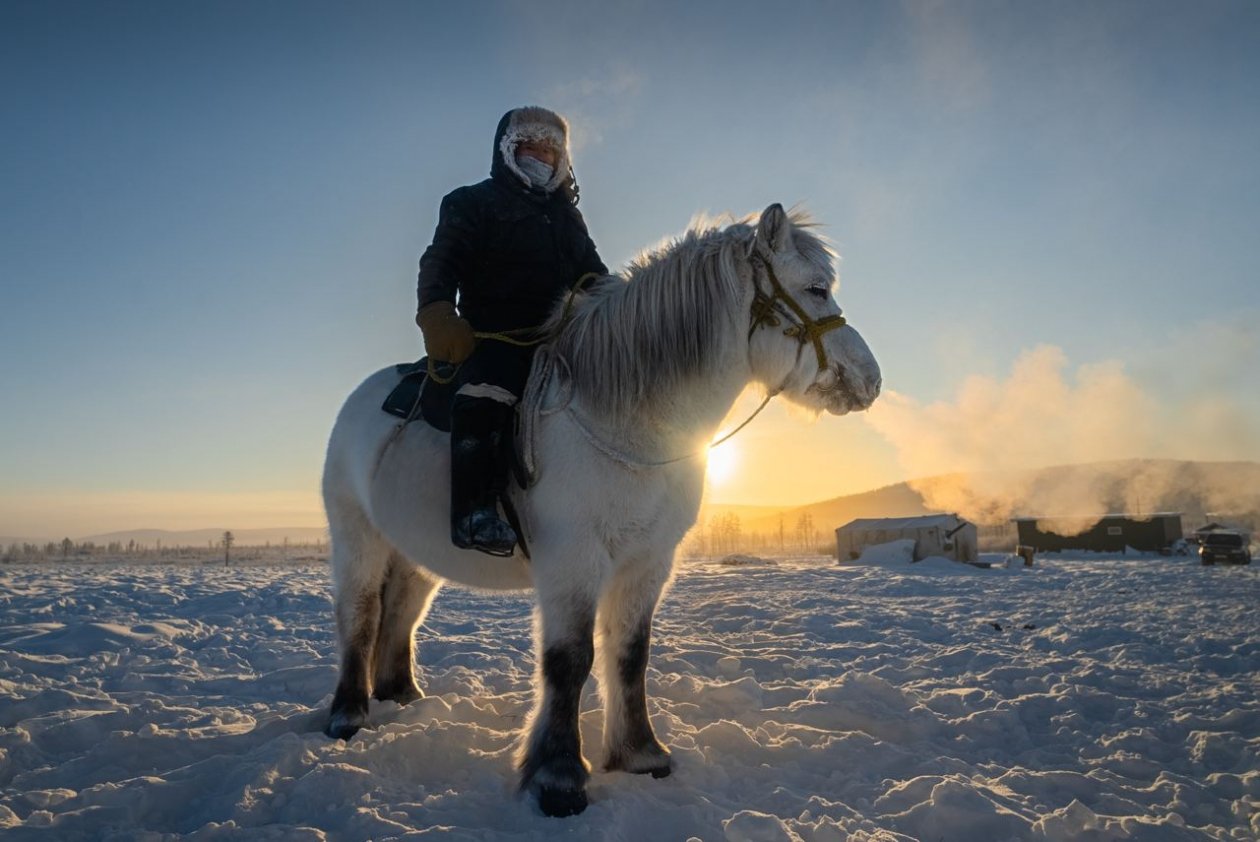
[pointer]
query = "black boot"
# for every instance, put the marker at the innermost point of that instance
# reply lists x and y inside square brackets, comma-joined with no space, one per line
[479,427]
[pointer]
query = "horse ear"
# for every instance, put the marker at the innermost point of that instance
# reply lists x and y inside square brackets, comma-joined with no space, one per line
[774,229]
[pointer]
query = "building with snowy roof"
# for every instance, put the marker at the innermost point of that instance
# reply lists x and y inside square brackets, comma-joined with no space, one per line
[945,535]
[1109,534]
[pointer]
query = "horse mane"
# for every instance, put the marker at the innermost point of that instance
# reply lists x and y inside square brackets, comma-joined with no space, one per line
[628,341]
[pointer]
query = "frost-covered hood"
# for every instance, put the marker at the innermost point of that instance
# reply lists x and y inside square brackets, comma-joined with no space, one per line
[531,123]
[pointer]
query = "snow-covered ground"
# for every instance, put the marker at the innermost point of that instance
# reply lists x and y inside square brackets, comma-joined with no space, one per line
[1080,699]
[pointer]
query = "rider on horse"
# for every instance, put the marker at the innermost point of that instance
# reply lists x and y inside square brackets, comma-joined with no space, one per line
[508,248]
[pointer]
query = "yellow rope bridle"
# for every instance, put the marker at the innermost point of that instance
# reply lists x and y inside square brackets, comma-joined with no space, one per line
[766,310]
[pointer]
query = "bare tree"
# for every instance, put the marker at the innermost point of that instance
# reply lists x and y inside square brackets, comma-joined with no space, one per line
[228,540]
[805,530]
[726,533]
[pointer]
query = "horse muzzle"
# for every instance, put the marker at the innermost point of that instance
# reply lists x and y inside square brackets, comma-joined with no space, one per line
[842,390]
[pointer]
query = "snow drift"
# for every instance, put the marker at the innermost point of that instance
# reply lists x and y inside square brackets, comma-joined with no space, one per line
[805,701]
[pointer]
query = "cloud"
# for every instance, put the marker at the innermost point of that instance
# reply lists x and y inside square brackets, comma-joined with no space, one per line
[950,63]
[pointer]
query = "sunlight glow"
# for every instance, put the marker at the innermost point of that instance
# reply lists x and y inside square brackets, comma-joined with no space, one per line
[723,461]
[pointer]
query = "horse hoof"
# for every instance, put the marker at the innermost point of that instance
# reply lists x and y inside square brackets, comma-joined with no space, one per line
[657,772]
[653,760]
[343,727]
[406,697]
[559,785]
[403,695]
[559,803]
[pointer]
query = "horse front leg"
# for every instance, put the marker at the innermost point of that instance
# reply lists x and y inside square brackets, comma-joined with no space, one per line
[625,628]
[552,767]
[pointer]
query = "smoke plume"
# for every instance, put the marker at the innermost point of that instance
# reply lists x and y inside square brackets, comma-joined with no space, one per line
[984,453]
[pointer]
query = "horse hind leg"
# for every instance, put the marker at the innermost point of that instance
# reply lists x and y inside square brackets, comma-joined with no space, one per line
[405,599]
[359,559]
[625,636]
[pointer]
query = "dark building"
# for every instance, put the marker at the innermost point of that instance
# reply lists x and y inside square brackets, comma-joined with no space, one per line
[1112,534]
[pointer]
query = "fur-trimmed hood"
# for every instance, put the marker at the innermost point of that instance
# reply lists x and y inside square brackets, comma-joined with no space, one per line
[533,123]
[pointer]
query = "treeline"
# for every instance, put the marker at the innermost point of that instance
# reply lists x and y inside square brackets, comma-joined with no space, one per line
[69,550]
[724,534]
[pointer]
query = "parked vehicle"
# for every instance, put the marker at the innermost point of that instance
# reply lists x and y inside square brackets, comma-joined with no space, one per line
[1224,547]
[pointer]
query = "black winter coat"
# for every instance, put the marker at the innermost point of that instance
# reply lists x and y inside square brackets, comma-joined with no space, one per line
[510,252]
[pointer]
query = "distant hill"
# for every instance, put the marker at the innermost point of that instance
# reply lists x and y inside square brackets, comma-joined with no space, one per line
[1228,490]
[898,500]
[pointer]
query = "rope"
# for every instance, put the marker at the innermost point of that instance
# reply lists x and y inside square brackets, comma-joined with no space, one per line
[509,337]
[544,372]
[632,461]
[769,397]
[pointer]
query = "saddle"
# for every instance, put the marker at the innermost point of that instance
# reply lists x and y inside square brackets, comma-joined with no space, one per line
[418,397]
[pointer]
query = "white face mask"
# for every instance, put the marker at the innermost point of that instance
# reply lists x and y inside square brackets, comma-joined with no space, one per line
[539,173]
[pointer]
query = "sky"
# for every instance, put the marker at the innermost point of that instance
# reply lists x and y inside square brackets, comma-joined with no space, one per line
[212,215]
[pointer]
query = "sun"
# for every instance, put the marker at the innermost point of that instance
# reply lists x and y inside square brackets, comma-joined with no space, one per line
[723,460]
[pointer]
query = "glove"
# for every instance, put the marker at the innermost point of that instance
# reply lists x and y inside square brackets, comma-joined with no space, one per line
[447,336]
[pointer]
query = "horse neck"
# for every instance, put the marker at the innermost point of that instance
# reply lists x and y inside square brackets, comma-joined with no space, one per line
[670,409]
[691,412]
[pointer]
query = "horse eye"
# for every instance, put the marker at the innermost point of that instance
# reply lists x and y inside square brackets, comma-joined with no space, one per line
[819,292]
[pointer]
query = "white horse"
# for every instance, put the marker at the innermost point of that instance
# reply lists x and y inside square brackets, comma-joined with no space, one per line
[638,375]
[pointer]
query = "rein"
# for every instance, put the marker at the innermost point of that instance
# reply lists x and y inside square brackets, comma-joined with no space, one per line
[634,461]
[509,337]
